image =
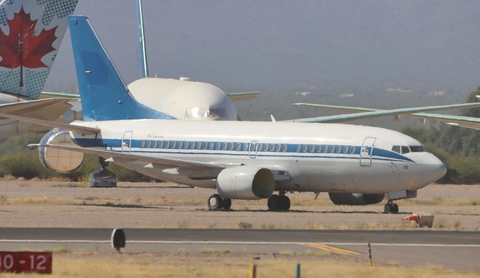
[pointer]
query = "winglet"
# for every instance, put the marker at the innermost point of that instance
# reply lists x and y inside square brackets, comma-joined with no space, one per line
[104,94]
[142,48]
[273,119]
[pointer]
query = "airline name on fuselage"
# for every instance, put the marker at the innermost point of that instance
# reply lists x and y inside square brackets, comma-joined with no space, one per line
[154,135]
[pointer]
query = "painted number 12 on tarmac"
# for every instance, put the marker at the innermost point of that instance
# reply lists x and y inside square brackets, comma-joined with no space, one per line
[16,262]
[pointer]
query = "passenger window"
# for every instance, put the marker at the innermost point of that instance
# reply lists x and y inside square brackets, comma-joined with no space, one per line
[284,148]
[272,147]
[219,145]
[259,147]
[230,146]
[345,149]
[312,149]
[149,143]
[396,149]
[352,150]
[339,149]
[245,147]
[179,145]
[332,149]
[238,146]
[167,144]
[212,145]
[304,148]
[325,149]
[298,148]
[185,145]
[154,144]
[160,144]
[405,149]
[224,146]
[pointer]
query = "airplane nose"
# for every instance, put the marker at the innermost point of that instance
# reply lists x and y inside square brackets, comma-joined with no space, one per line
[432,168]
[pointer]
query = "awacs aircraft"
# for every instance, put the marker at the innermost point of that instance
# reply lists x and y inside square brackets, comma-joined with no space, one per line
[183,99]
[356,165]
[30,35]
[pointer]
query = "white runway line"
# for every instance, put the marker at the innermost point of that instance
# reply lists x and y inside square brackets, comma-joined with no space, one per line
[240,243]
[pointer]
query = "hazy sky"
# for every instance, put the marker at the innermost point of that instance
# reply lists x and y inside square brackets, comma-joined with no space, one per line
[251,44]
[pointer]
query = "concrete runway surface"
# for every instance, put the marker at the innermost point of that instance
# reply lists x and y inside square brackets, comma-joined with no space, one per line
[451,249]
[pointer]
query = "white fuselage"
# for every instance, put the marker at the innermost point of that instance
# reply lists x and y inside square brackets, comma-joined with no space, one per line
[303,157]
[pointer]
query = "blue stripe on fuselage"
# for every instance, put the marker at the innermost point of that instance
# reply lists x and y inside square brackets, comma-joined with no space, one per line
[292,150]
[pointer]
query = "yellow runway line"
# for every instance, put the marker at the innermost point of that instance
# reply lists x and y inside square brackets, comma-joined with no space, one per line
[330,248]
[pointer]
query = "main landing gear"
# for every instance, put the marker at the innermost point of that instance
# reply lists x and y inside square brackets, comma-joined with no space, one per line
[279,202]
[215,202]
[391,207]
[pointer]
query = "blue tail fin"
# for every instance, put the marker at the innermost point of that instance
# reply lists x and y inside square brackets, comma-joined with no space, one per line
[103,93]
[30,35]
[142,49]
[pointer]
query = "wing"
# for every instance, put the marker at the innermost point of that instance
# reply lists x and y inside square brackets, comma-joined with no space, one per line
[54,94]
[242,96]
[44,112]
[111,156]
[366,113]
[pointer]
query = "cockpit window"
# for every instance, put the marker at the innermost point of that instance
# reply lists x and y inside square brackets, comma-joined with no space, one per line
[405,149]
[418,149]
[396,149]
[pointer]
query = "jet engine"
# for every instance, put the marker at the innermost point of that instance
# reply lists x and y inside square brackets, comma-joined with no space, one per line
[355,199]
[245,182]
[60,161]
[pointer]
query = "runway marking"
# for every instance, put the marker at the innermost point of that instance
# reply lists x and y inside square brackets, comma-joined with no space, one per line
[330,248]
[240,243]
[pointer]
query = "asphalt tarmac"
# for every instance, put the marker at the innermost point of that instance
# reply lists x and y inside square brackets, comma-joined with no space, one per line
[450,249]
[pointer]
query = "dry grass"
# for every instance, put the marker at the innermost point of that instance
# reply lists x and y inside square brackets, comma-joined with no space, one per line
[221,265]
[33,201]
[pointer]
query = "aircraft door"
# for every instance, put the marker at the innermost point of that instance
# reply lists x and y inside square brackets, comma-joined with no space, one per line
[127,141]
[252,149]
[366,151]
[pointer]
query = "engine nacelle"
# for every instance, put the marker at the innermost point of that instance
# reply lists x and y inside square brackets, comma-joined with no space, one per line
[245,182]
[355,199]
[60,161]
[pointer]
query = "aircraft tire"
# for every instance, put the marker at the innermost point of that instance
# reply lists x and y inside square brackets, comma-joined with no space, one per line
[388,208]
[394,208]
[285,202]
[227,204]
[274,203]
[215,202]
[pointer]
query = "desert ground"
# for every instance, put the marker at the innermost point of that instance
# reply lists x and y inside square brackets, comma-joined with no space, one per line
[167,205]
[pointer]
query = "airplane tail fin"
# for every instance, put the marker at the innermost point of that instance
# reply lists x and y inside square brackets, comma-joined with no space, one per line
[142,49]
[30,35]
[103,93]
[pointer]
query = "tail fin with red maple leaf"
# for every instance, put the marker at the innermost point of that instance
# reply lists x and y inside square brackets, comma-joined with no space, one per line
[30,35]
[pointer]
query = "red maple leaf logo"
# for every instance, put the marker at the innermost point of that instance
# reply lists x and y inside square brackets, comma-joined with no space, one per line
[21,48]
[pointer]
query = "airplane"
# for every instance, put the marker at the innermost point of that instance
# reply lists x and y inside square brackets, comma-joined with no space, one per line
[30,35]
[182,98]
[428,118]
[355,165]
